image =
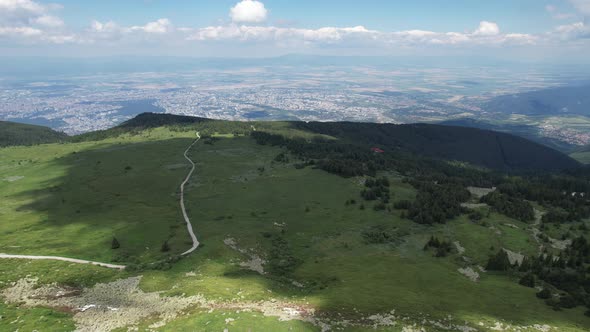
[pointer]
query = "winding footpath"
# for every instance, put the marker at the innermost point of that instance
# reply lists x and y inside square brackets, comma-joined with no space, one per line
[122,267]
[189,226]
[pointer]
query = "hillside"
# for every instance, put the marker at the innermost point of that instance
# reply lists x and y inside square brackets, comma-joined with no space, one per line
[485,148]
[529,132]
[12,133]
[302,227]
[582,154]
[480,147]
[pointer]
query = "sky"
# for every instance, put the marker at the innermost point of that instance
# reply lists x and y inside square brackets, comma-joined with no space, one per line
[534,30]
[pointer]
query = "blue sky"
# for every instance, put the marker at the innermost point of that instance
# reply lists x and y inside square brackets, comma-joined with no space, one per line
[526,29]
[439,15]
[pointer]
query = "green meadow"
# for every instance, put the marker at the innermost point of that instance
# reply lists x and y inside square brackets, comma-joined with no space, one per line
[72,199]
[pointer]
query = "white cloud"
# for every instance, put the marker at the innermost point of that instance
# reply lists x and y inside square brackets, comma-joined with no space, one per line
[487,29]
[15,6]
[100,27]
[49,21]
[19,31]
[487,34]
[29,21]
[578,30]
[261,33]
[160,26]
[248,11]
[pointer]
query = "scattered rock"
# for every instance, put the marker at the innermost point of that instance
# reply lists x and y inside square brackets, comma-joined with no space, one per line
[460,249]
[469,273]
[480,192]
[256,263]
[13,178]
[514,257]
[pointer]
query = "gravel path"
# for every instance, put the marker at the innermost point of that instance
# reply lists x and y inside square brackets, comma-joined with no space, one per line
[65,259]
[189,226]
[121,267]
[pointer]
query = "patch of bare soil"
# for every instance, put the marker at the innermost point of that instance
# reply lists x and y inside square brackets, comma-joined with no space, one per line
[13,178]
[104,307]
[480,192]
[121,303]
[255,262]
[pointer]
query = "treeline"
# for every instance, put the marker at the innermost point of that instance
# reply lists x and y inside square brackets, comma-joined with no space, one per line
[564,279]
[566,195]
[348,159]
[511,206]
[436,203]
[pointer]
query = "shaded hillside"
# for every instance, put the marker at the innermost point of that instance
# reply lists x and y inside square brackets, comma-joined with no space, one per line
[12,133]
[153,120]
[553,101]
[525,131]
[480,147]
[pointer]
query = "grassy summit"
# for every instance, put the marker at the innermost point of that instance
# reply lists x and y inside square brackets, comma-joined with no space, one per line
[301,228]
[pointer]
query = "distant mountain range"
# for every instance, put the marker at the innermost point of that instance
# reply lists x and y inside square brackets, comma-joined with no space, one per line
[567,100]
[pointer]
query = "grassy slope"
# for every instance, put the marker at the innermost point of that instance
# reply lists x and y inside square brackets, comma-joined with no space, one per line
[231,197]
[23,134]
[582,155]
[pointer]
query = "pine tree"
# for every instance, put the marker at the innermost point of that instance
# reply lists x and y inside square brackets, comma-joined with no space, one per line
[499,262]
[544,294]
[115,244]
[165,247]
[528,280]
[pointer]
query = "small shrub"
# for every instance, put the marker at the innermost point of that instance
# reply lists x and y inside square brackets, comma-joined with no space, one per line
[544,294]
[528,280]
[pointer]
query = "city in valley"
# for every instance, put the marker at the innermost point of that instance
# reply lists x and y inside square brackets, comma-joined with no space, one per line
[391,92]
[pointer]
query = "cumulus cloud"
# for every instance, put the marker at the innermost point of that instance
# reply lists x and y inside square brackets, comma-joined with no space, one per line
[19,31]
[110,31]
[160,26]
[20,6]
[260,33]
[49,21]
[487,33]
[28,21]
[487,29]
[248,11]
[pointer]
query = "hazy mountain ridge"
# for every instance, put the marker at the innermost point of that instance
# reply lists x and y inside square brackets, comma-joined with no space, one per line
[567,100]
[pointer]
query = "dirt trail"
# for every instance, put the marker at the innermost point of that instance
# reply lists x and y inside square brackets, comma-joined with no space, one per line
[121,267]
[65,259]
[189,226]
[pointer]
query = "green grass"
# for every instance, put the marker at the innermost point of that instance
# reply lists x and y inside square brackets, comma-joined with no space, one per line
[72,204]
[583,157]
